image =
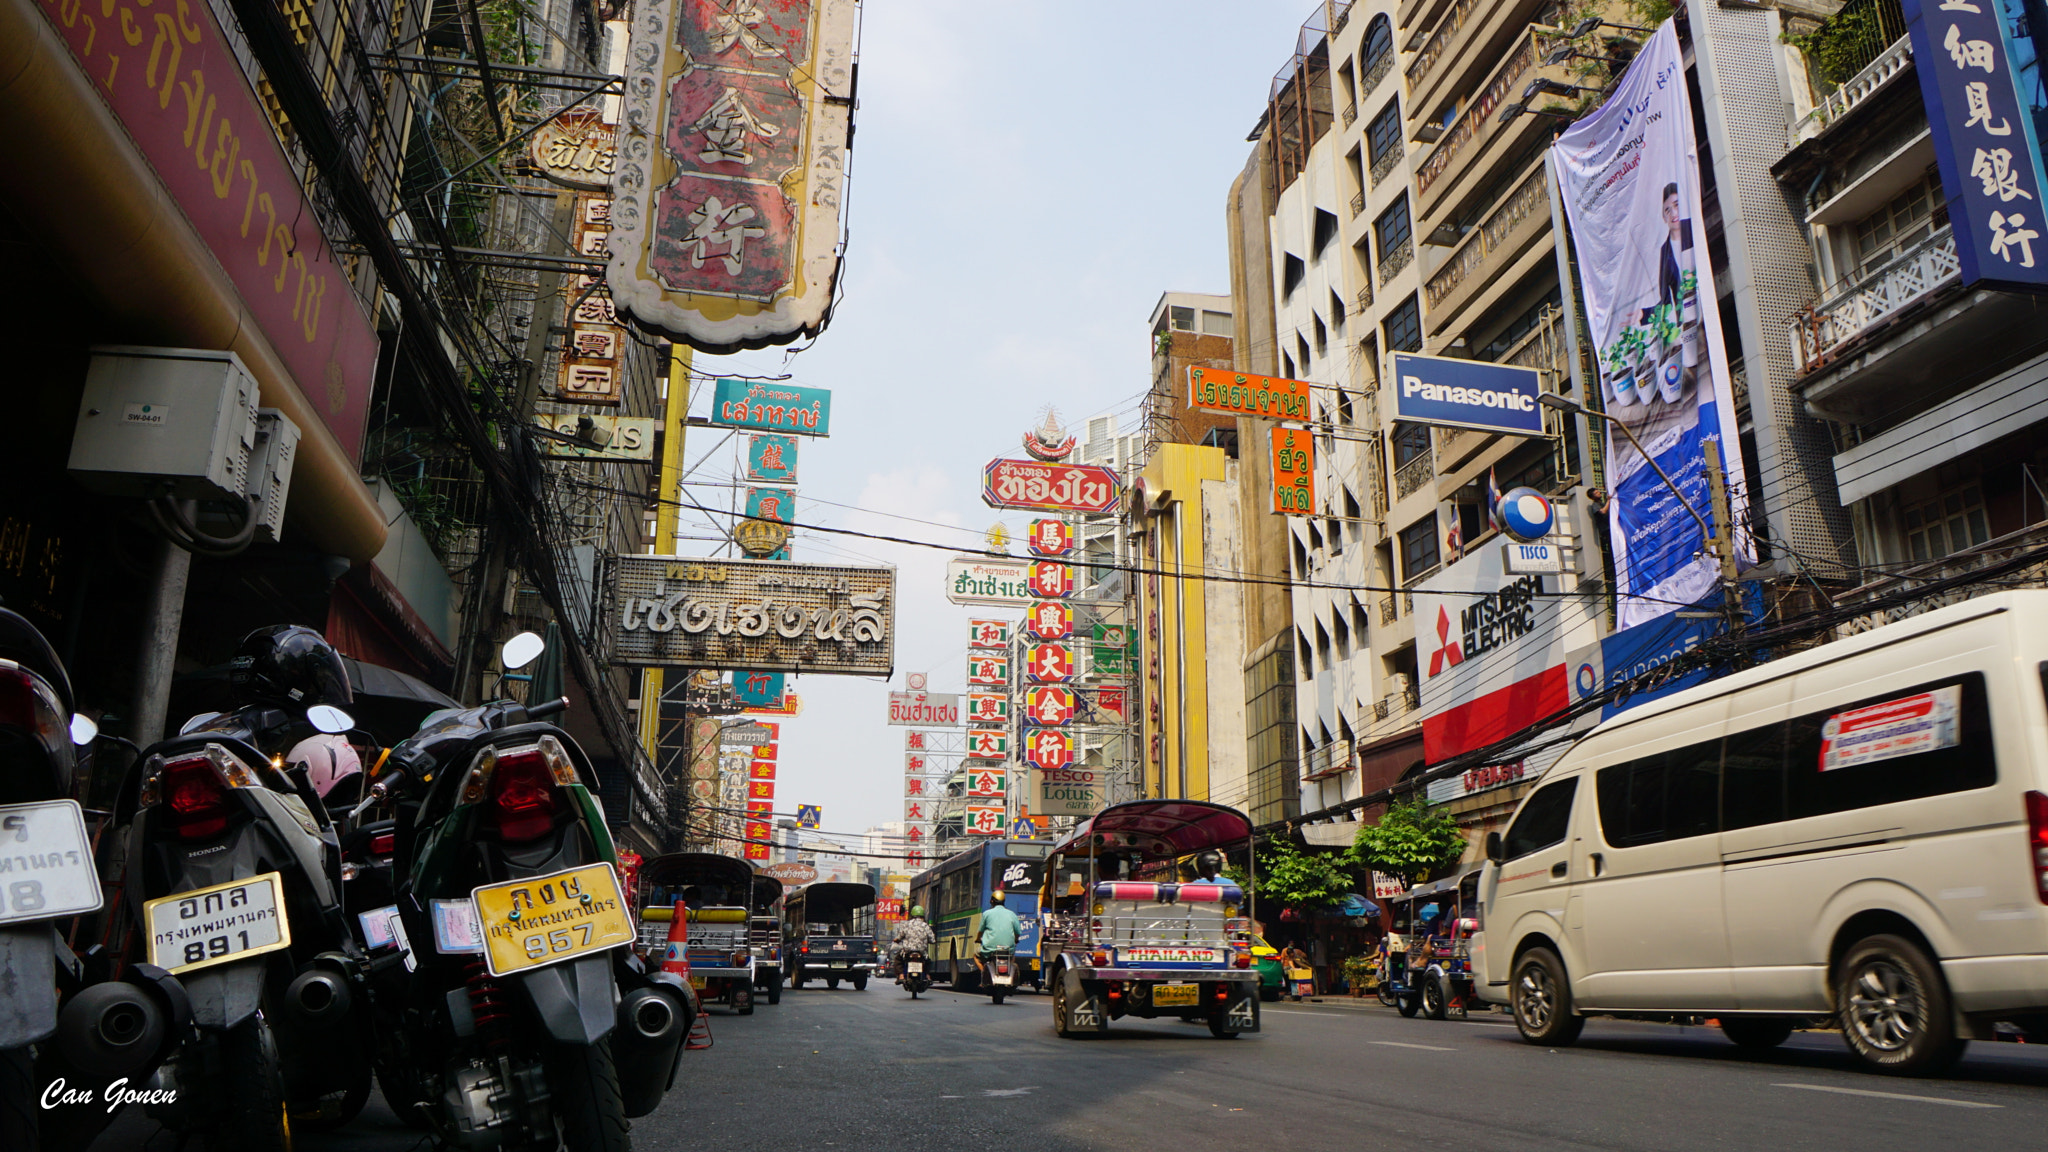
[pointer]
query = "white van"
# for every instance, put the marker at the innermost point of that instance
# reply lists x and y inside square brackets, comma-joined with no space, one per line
[1859,830]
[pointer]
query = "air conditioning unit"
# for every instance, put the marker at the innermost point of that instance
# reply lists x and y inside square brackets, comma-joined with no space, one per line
[177,422]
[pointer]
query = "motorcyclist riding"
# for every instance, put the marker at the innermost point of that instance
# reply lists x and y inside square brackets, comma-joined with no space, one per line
[913,935]
[999,925]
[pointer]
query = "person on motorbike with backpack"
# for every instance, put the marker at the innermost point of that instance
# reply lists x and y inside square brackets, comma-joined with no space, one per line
[913,935]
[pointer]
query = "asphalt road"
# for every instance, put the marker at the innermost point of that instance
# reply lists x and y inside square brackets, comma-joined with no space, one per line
[876,1070]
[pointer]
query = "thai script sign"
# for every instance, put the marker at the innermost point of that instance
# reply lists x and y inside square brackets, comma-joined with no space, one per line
[731,169]
[1294,471]
[680,611]
[1907,726]
[773,406]
[1468,394]
[588,370]
[1050,538]
[1246,394]
[1085,488]
[189,109]
[988,633]
[994,583]
[924,709]
[1984,138]
[576,149]
[771,458]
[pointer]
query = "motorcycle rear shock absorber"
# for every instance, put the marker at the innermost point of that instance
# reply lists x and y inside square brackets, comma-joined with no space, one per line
[489,1005]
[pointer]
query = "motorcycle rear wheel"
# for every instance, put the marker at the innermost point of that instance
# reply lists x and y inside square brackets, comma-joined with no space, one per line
[584,1086]
[18,1099]
[996,992]
[253,1081]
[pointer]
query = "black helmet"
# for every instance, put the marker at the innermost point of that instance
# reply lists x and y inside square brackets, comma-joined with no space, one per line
[290,667]
[1209,863]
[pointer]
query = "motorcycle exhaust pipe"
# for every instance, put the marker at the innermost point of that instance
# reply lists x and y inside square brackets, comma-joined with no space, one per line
[646,1047]
[110,1030]
[318,997]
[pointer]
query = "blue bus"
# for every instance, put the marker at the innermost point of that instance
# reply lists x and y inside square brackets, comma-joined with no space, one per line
[955,892]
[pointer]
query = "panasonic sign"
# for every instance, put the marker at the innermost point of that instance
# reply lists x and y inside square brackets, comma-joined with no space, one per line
[1468,394]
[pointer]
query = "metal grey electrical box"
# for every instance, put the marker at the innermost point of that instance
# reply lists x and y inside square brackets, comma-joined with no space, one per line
[165,421]
[270,471]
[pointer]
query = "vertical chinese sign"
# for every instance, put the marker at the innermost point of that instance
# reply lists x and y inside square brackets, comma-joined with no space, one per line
[589,372]
[731,169]
[1984,139]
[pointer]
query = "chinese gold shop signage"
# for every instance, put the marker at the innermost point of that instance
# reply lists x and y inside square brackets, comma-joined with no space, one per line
[731,169]
[576,150]
[589,372]
[758,614]
[169,76]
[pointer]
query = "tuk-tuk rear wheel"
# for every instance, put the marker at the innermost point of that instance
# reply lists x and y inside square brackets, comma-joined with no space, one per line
[1434,1002]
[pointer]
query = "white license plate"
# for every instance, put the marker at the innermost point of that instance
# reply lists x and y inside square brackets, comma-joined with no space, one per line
[839,963]
[231,921]
[913,967]
[46,867]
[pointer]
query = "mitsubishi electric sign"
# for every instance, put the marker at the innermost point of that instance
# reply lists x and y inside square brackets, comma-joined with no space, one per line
[1468,394]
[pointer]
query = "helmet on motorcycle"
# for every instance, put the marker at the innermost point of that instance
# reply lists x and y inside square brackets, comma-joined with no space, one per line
[1209,864]
[996,897]
[329,761]
[288,666]
[917,911]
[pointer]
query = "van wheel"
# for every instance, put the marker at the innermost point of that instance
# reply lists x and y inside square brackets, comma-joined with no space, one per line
[1894,1009]
[1543,1001]
[1756,1033]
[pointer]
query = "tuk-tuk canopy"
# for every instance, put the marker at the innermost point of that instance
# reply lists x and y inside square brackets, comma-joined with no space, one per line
[733,877]
[1157,829]
[830,902]
[767,890]
[1447,885]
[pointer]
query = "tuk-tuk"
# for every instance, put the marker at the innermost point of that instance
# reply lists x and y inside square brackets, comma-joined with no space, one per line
[716,892]
[819,939]
[1118,942]
[1427,958]
[764,934]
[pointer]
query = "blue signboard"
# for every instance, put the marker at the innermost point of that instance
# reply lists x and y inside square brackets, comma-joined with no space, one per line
[1468,394]
[777,504]
[1984,139]
[771,406]
[758,689]
[1637,652]
[771,458]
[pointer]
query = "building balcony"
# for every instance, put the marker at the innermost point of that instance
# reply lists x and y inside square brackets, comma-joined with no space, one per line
[1892,63]
[1479,137]
[1358,202]
[1386,162]
[1340,15]
[1507,233]
[1470,40]
[1411,477]
[1350,113]
[1376,69]
[1365,300]
[1819,332]
[2003,549]
[1392,262]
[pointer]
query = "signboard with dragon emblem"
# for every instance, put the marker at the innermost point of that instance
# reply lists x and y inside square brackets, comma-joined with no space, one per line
[731,169]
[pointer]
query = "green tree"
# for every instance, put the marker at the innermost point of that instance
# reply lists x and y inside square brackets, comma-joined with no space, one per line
[1410,841]
[1287,875]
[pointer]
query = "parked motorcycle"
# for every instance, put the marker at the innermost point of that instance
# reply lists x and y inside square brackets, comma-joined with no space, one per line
[999,973]
[233,879]
[915,972]
[102,1030]
[519,1016]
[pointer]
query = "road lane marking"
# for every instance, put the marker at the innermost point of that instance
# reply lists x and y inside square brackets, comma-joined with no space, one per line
[1398,1044]
[1890,1095]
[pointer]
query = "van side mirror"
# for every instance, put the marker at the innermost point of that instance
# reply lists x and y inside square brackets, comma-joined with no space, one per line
[1495,852]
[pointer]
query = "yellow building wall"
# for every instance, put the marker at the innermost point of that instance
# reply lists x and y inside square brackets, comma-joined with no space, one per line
[1174,655]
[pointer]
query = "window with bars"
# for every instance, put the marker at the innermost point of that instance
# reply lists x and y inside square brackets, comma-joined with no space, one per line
[1947,525]
[1404,327]
[1915,214]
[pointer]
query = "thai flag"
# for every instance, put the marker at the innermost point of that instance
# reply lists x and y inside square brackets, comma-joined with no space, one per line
[1454,543]
[1492,503]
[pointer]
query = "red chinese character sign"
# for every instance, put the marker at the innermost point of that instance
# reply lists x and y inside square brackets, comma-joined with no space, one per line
[1051,538]
[988,743]
[1050,664]
[1051,580]
[1049,622]
[985,820]
[1049,706]
[756,851]
[757,830]
[1049,749]
[988,782]
[761,789]
[731,169]
[993,671]
[988,708]
[988,633]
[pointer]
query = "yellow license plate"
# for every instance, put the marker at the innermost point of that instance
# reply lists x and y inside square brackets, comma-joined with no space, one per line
[545,920]
[1176,995]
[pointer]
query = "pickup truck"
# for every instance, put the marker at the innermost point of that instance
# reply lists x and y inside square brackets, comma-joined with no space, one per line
[834,958]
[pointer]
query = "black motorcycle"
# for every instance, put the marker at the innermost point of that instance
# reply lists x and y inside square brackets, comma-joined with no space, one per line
[915,972]
[519,1016]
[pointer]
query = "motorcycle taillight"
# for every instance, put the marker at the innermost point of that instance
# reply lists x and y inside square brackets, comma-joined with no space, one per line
[197,797]
[28,704]
[520,798]
[383,843]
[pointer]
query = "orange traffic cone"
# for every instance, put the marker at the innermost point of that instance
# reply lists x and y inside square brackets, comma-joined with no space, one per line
[675,958]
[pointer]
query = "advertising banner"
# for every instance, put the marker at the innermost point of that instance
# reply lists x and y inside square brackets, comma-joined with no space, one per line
[774,406]
[731,169]
[1629,177]
[1468,394]
[1072,791]
[995,583]
[1086,488]
[771,459]
[1246,394]
[677,611]
[632,437]
[924,709]
[1294,471]
[1112,650]
[752,735]
[588,372]
[1985,142]
[1103,705]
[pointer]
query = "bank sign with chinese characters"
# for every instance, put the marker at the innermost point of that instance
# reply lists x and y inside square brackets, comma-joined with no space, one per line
[1984,141]
[677,611]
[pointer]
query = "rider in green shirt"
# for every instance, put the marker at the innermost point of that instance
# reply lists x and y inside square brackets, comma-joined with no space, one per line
[999,926]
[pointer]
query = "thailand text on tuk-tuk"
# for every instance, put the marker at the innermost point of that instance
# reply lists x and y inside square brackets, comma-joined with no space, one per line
[715,892]
[1123,937]
[1426,959]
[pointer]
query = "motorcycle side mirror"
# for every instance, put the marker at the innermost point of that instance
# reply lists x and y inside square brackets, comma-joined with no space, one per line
[83,730]
[329,719]
[521,650]
[1494,852]
[1468,925]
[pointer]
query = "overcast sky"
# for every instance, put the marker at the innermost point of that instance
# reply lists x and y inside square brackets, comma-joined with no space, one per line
[1026,179]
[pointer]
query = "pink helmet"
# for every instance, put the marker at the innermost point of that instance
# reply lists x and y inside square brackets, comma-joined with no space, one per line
[329,760]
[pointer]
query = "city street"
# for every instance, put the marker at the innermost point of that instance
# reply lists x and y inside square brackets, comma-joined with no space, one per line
[875,1070]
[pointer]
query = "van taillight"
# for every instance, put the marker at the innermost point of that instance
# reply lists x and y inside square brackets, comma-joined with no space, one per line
[521,795]
[2037,841]
[197,796]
